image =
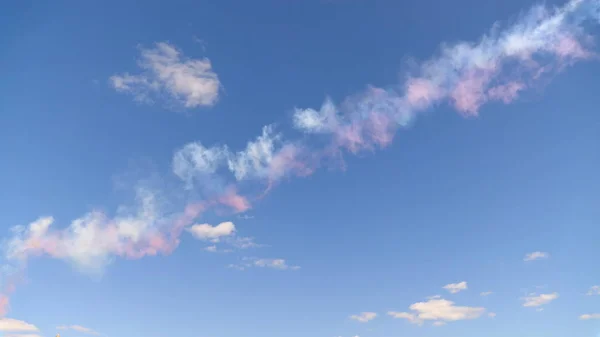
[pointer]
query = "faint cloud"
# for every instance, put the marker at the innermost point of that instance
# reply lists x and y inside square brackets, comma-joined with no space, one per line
[594,290]
[245,216]
[438,310]
[588,317]
[78,328]
[364,317]
[492,315]
[249,262]
[15,325]
[454,288]
[164,70]
[534,300]
[486,293]
[536,256]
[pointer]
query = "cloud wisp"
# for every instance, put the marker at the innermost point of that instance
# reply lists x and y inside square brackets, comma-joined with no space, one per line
[536,256]
[455,288]
[165,71]
[535,300]
[364,317]
[79,328]
[498,67]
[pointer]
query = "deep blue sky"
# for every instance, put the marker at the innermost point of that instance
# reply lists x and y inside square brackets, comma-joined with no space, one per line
[451,199]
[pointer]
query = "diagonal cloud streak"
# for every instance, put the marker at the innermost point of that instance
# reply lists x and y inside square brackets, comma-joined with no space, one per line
[499,67]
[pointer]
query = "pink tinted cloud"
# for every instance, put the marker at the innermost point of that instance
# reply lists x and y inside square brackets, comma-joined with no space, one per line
[468,94]
[421,93]
[505,92]
[233,200]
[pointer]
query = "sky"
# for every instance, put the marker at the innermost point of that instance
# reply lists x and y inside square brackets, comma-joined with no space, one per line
[300,168]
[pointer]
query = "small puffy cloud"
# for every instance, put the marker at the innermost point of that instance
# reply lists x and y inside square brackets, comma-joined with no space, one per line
[15,325]
[249,262]
[594,290]
[78,328]
[438,310]
[536,256]
[486,293]
[534,300]
[588,317]
[212,233]
[364,317]
[454,288]
[164,70]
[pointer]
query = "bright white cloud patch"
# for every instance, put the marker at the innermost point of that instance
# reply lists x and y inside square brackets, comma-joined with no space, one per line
[212,233]
[364,317]
[78,328]
[454,288]
[15,325]
[438,310]
[594,290]
[164,70]
[588,317]
[534,300]
[536,256]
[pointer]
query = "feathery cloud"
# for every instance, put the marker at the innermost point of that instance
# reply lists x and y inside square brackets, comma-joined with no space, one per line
[486,293]
[594,290]
[15,325]
[455,288]
[536,256]
[438,310]
[79,328]
[164,70]
[249,262]
[534,300]
[364,317]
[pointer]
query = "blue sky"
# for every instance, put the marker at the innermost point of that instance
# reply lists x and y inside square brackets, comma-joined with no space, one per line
[300,168]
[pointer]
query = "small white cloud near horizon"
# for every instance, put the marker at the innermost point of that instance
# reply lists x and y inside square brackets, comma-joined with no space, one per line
[165,71]
[78,328]
[455,288]
[364,317]
[588,317]
[536,256]
[438,310]
[15,325]
[486,293]
[594,290]
[534,300]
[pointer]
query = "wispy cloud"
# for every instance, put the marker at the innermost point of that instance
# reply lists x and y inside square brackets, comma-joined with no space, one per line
[364,317]
[486,293]
[536,256]
[78,328]
[249,262]
[455,288]
[594,290]
[535,300]
[438,310]
[15,325]
[588,317]
[165,71]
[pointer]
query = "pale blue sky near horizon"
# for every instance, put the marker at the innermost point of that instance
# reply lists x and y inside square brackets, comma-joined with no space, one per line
[452,199]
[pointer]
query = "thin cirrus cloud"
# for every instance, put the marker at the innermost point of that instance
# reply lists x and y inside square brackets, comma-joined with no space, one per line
[15,325]
[486,293]
[191,83]
[536,256]
[535,300]
[79,328]
[253,262]
[499,67]
[455,288]
[587,317]
[594,290]
[439,311]
[364,317]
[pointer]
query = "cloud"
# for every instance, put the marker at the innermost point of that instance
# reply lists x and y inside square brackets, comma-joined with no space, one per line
[594,290]
[536,256]
[249,262]
[15,325]
[454,288]
[492,315]
[587,317]
[438,310]
[164,70]
[78,328]
[534,300]
[364,317]
[486,293]
[212,233]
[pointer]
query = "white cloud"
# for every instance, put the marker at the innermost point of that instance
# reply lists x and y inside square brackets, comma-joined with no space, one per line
[364,317]
[78,328]
[438,310]
[534,300]
[15,325]
[594,290]
[196,161]
[536,256]
[249,262]
[492,315]
[486,293]
[454,288]
[212,233]
[587,317]
[164,70]
[212,249]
